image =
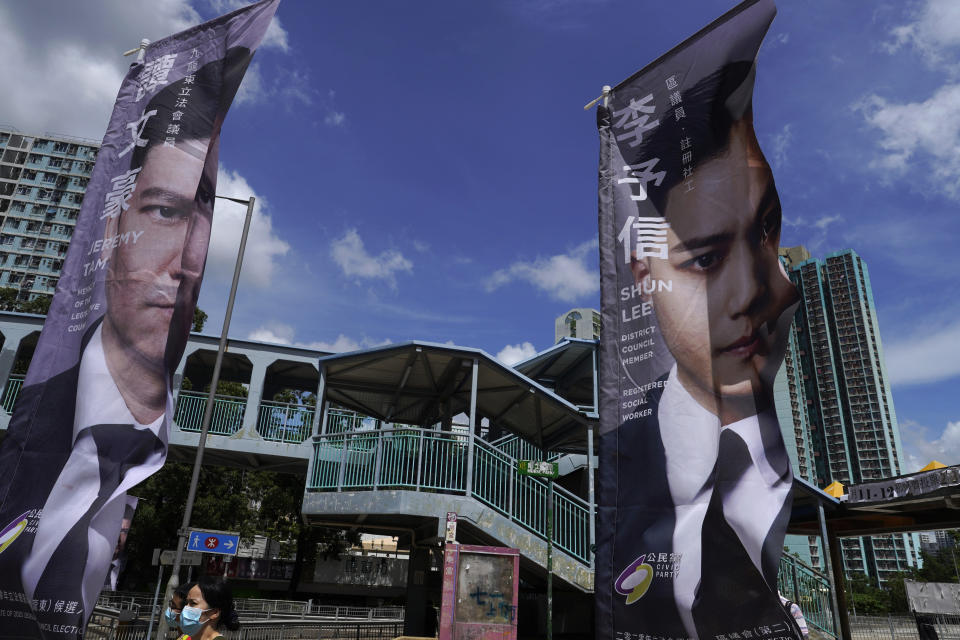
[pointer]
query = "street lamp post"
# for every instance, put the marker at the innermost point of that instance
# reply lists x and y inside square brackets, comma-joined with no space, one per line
[174,580]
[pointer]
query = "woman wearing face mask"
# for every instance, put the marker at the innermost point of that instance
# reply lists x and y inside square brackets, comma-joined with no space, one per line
[175,606]
[209,608]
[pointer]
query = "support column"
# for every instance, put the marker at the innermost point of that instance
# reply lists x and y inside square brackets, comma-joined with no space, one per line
[423,588]
[473,424]
[320,411]
[591,495]
[833,563]
[13,336]
[251,413]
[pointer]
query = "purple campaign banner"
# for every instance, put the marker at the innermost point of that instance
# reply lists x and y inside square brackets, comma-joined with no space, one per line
[695,482]
[93,417]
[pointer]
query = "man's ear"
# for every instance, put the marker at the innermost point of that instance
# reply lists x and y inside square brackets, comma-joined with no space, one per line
[641,274]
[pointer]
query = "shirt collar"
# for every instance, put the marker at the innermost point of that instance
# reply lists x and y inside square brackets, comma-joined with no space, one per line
[98,398]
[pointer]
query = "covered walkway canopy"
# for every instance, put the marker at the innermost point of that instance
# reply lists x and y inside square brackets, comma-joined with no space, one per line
[423,384]
[569,368]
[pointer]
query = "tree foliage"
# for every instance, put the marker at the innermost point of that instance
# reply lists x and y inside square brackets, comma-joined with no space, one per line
[199,319]
[10,301]
[249,502]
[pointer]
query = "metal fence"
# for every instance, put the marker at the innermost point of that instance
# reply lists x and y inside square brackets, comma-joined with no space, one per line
[104,625]
[227,416]
[10,392]
[429,460]
[905,627]
[810,589]
[284,422]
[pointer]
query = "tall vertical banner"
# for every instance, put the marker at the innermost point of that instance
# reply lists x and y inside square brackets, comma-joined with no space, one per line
[694,477]
[94,414]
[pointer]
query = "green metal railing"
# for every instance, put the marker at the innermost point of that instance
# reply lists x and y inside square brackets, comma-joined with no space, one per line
[522,449]
[344,420]
[11,392]
[284,422]
[810,589]
[227,413]
[428,460]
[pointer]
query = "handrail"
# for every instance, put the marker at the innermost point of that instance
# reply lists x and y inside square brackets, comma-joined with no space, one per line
[284,421]
[227,413]
[11,392]
[436,461]
[810,589]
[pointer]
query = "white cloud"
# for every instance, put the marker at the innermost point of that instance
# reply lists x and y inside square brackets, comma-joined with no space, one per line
[566,277]
[251,88]
[927,357]
[921,449]
[335,119]
[355,261]
[278,333]
[62,61]
[919,136]
[274,38]
[514,353]
[779,144]
[264,246]
[934,28]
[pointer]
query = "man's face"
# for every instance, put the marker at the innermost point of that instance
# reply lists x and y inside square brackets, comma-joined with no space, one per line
[154,271]
[729,289]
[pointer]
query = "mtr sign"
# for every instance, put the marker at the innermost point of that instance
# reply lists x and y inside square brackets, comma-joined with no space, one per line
[213,542]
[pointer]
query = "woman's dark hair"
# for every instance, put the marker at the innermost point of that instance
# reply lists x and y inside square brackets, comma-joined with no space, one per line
[219,595]
[182,590]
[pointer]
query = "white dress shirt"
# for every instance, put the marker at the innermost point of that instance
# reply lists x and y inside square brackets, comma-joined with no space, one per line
[98,402]
[691,438]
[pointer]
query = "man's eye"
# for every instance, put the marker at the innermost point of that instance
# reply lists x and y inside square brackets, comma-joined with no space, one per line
[703,262]
[166,213]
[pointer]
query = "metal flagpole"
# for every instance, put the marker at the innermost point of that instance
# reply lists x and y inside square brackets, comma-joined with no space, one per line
[174,580]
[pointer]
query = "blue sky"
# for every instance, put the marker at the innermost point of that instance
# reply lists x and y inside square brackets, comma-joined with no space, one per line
[426,170]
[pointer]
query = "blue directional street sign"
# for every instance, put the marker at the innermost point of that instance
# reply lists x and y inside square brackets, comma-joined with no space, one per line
[213,542]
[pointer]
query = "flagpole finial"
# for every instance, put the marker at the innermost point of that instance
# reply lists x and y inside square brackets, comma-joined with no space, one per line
[605,96]
[144,43]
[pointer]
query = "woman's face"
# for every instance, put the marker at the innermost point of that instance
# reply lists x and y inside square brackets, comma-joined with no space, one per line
[195,599]
[720,321]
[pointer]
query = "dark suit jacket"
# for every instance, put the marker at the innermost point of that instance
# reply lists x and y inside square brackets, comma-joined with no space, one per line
[32,457]
[637,517]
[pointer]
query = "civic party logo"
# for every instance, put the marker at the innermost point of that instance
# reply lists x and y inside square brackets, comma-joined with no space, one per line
[13,530]
[635,580]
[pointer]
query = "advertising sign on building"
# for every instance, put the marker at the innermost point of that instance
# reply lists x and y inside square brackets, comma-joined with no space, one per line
[480,592]
[694,475]
[93,417]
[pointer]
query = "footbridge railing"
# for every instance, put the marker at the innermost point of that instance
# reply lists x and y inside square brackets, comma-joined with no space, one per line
[810,589]
[427,460]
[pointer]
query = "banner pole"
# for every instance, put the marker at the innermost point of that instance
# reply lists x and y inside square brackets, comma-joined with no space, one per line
[174,580]
[156,594]
[550,558]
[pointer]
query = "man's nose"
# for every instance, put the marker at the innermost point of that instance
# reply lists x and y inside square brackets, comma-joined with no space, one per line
[191,253]
[749,282]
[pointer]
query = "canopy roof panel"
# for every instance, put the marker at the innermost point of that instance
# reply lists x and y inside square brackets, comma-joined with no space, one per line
[418,383]
[567,368]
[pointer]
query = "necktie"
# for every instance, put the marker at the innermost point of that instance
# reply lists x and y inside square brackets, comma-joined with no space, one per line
[119,447]
[733,595]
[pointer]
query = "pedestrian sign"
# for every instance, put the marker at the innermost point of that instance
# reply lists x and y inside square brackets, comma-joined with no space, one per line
[213,542]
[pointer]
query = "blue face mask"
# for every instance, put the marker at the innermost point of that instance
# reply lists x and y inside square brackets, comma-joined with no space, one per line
[190,620]
[172,617]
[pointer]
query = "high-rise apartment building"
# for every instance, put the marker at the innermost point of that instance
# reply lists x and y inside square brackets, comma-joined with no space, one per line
[578,323]
[42,182]
[834,400]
